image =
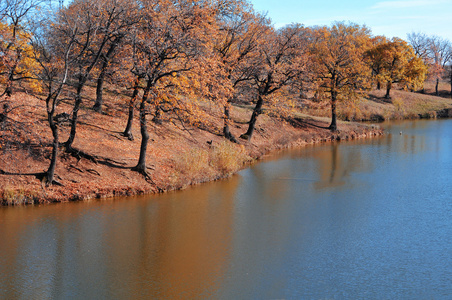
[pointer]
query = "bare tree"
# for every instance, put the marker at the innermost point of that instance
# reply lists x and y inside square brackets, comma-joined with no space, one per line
[95,24]
[127,17]
[421,45]
[52,55]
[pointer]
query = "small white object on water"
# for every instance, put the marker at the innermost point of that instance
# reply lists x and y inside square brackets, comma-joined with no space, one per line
[400,132]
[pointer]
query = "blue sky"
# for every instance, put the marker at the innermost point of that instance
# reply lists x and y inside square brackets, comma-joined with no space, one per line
[388,18]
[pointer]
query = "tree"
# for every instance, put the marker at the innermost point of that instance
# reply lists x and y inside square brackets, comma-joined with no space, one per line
[398,64]
[339,69]
[131,107]
[421,45]
[375,60]
[95,24]
[52,75]
[240,31]
[171,35]
[440,52]
[282,59]
[16,54]
[126,17]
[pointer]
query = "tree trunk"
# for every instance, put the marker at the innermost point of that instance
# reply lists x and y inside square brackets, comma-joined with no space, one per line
[141,166]
[55,144]
[9,83]
[333,125]
[436,87]
[378,85]
[157,116]
[99,89]
[388,90]
[128,131]
[451,82]
[252,123]
[78,102]
[100,80]
[227,133]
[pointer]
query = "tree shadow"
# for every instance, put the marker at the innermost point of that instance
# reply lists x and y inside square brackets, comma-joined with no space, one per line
[306,123]
[380,100]
[79,154]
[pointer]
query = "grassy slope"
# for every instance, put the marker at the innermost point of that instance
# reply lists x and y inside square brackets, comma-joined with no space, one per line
[178,156]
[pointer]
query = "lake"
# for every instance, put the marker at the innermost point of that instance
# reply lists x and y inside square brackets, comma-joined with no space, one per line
[369,219]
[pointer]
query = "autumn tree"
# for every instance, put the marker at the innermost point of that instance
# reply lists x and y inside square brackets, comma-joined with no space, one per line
[375,60]
[240,31]
[16,54]
[339,69]
[131,106]
[398,64]
[282,58]
[421,46]
[171,35]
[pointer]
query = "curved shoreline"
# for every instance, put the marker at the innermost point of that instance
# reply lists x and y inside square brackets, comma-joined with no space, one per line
[35,194]
[178,156]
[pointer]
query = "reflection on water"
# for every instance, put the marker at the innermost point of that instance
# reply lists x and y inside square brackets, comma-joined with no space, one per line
[175,245]
[362,219]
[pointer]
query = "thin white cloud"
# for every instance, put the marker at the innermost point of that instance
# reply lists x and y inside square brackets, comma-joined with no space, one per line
[407,4]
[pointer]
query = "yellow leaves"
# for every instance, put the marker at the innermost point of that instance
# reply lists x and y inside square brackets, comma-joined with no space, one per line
[17,55]
[394,61]
[338,52]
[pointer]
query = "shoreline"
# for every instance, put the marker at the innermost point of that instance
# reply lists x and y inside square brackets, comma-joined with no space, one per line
[36,193]
[178,156]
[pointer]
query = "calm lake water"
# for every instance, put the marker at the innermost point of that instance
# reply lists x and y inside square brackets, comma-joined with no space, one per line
[354,220]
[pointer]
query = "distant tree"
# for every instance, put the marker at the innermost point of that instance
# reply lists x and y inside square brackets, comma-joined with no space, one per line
[375,59]
[436,53]
[398,64]
[421,45]
[340,70]
[440,52]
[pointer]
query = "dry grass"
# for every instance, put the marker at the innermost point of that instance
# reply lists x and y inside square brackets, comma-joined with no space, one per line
[228,158]
[198,165]
[18,195]
[374,106]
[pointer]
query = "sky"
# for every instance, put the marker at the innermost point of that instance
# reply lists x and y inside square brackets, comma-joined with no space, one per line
[388,18]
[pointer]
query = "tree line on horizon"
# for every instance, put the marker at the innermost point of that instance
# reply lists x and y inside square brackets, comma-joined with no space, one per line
[174,55]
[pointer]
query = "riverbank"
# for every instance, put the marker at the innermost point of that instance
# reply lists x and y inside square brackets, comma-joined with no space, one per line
[178,156]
